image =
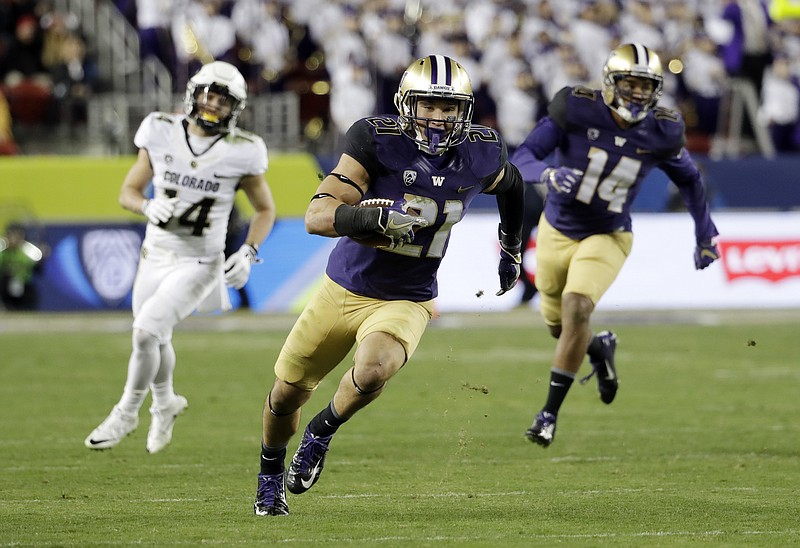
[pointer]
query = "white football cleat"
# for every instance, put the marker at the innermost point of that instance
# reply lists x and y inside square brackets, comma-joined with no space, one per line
[160,433]
[117,425]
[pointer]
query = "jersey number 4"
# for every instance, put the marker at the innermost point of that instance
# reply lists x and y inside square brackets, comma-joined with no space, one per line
[196,217]
[615,186]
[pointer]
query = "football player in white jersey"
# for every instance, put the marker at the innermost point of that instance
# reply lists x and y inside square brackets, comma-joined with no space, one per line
[196,163]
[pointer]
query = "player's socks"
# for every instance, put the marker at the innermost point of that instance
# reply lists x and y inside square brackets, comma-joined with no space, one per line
[131,400]
[272,460]
[560,382]
[163,393]
[326,422]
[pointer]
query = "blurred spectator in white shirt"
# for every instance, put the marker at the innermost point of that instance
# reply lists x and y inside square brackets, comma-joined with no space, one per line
[202,34]
[705,79]
[780,105]
[154,23]
[594,33]
[259,26]
[352,97]
[391,52]
[640,22]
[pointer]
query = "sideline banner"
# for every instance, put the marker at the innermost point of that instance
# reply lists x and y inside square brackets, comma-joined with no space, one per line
[92,266]
[759,267]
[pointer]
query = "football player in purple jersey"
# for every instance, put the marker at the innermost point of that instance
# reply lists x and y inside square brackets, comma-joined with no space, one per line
[592,150]
[431,162]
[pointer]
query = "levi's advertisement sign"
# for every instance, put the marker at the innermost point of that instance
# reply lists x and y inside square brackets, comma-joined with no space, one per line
[771,260]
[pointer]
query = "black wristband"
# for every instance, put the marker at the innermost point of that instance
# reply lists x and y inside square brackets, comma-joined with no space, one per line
[356,221]
[511,243]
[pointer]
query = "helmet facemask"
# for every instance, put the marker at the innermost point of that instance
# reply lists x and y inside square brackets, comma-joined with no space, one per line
[221,79]
[631,60]
[206,119]
[435,135]
[444,84]
[633,106]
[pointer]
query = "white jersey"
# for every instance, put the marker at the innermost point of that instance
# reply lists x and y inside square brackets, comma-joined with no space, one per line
[204,180]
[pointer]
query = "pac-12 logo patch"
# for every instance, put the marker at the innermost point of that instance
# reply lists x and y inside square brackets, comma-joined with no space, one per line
[409,176]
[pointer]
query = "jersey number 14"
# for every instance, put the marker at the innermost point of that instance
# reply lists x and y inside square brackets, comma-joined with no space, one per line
[615,187]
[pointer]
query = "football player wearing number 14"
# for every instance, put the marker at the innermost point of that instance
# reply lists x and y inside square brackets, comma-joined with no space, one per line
[428,163]
[605,142]
[196,163]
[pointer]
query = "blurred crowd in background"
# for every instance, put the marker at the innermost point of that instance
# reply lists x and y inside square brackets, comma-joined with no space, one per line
[345,57]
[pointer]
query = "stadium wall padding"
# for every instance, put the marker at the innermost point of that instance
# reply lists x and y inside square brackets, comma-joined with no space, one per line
[79,189]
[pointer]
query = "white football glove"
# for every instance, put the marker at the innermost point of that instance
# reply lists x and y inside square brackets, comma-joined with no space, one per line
[159,210]
[563,180]
[237,266]
[399,227]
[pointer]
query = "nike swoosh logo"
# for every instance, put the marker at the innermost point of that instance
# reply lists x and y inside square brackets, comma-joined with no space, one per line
[218,176]
[268,459]
[610,376]
[391,224]
[97,442]
[464,188]
[556,384]
[643,151]
[310,481]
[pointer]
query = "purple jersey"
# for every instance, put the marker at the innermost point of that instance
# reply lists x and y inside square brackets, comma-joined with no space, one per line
[580,130]
[440,188]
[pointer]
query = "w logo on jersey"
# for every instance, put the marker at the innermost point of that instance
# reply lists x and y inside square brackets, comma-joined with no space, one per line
[409,176]
[438,180]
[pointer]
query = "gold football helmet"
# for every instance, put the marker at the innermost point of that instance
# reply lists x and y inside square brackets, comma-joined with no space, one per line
[632,60]
[440,78]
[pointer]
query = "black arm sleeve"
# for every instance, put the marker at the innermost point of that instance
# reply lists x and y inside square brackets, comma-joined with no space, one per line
[511,205]
[356,221]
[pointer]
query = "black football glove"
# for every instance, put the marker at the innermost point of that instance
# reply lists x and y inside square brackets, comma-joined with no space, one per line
[704,254]
[510,261]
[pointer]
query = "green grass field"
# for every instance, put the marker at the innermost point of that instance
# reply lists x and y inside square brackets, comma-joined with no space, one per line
[702,445]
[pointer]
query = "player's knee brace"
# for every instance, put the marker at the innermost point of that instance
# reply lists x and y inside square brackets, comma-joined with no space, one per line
[361,391]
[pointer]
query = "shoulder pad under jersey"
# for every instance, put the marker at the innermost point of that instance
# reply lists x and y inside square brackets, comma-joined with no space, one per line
[576,106]
[670,122]
[485,150]
[571,102]
[377,141]
[241,136]
[163,117]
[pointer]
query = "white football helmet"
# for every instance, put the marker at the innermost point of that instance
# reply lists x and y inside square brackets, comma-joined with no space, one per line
[631,60]
[435,77]
[219,77]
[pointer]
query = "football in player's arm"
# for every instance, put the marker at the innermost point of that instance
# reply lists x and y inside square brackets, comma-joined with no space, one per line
[196,162]
[426,166]
[602,143]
